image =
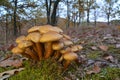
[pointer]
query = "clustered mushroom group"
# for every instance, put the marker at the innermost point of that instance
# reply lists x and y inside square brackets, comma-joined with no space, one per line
[43,42]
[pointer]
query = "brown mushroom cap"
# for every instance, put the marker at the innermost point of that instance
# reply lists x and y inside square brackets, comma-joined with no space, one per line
[33,29]
[76,48]
[50,36]
[66,36]
[66,50]
[47,28]
[70,56]
[67,42]
[19,39]
[57,45]
[25,44]
[34,36]
[17,50]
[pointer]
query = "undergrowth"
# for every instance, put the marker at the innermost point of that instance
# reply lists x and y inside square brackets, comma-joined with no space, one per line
[45,70]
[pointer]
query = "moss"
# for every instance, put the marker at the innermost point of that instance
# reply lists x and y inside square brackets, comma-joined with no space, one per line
[45,70]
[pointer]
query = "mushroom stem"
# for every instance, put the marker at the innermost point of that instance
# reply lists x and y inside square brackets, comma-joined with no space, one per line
[39,50]
[29,52]
[57,54]
[66,64]
[48,50]
[34,48]
[26,55]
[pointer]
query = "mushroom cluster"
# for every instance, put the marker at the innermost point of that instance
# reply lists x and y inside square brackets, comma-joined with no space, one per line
[43,42]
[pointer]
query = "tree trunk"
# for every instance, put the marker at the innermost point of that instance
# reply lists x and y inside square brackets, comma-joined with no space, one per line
[48,8]
[95,17]
[68,16]
[88,13]
[108,16]
[53,16]
[15,25]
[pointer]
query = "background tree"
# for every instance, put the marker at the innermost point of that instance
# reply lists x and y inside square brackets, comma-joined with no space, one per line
[88,6]
[109,9]
[51,8]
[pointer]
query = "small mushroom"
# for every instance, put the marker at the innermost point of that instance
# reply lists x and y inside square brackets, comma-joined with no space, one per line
[27,44]
[17,50]
[66,36]
[57,46]
[71,56]
[35,37]
[19,39]
[47,39]
[76,48]
[67,42]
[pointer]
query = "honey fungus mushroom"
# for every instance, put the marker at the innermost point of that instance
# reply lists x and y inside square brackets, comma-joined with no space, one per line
[20,38]
[16,50]
[47,39]
[57,46]
[26,45]
[71,56]
[35,37]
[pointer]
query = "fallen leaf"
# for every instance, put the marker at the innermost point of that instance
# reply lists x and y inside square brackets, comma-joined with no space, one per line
[108,57]
[9,62]
[7,74]
[94,48]
[103,47]
[96,69]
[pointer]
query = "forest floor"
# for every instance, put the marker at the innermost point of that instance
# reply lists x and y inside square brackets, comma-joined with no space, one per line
[98,60]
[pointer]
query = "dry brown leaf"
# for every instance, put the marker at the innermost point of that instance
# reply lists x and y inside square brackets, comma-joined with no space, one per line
[96,69]
[103,47]
[94,48]
[9,73]
[9,62]
[108,57]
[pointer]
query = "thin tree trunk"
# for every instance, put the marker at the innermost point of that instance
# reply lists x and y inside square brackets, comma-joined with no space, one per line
[68,16]
[48,8]
[53,16]
[15,25]
[95,16]
[88,21]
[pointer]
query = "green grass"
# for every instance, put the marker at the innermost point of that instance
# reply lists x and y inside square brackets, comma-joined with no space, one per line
[105,74]
[94,54]
[45,70]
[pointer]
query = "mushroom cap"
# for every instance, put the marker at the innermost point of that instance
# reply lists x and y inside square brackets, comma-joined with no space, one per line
[47,28]
[76,48]
[79,47]
[70,56]
[66,36]
[19,39]
[33,29]
[50,36]
[66,50]
[67,42]
[17,50]
[57,45]
[25,44]
[34,36]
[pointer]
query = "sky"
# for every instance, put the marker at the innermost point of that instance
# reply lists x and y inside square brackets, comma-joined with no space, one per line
[100,18]
[63,14]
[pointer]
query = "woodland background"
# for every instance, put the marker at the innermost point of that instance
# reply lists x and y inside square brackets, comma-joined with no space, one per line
[94,24]
[16,16]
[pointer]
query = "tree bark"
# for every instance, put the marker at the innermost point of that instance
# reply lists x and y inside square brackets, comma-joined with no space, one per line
[48,8]
[53,16]
[68,16]
[15,25]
